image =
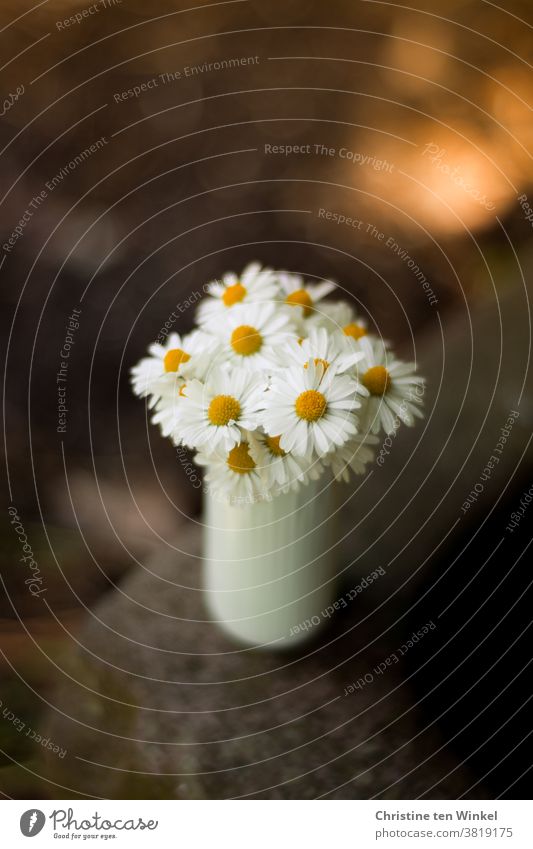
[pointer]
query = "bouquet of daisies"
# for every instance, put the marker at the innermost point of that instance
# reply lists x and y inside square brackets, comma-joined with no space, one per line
[276,386]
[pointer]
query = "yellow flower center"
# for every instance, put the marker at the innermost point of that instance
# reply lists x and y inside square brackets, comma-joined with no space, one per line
[234,294]
[222,409]
[319,361]
[300,298]
[354,330]
[272,443]
[182,390]
[239,459]
[246,340]
[310,405]
[174,358]
[377,380]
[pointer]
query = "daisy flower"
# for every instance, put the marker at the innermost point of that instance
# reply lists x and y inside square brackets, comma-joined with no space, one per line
[281,470]
[304,296]
[354,455]
[254,284]
[215,413]
[182,356]
[312,409]
[340,316]
[233,475]
[327,348]
[253,336]
[395,391]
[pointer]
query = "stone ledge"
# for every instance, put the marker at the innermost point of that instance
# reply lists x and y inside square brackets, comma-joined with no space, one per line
[174,710]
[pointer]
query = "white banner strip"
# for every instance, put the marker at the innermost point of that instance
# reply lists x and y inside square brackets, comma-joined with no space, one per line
[267,824]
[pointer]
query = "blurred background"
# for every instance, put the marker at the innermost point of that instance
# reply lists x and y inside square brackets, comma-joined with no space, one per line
[146,149]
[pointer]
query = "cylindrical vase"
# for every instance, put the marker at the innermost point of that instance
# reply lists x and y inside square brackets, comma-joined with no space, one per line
[270,566]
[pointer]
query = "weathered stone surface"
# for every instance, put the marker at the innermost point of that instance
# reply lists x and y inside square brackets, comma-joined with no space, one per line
[162,705]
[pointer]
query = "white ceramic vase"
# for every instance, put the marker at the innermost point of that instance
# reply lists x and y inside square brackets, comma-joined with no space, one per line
[269,567]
